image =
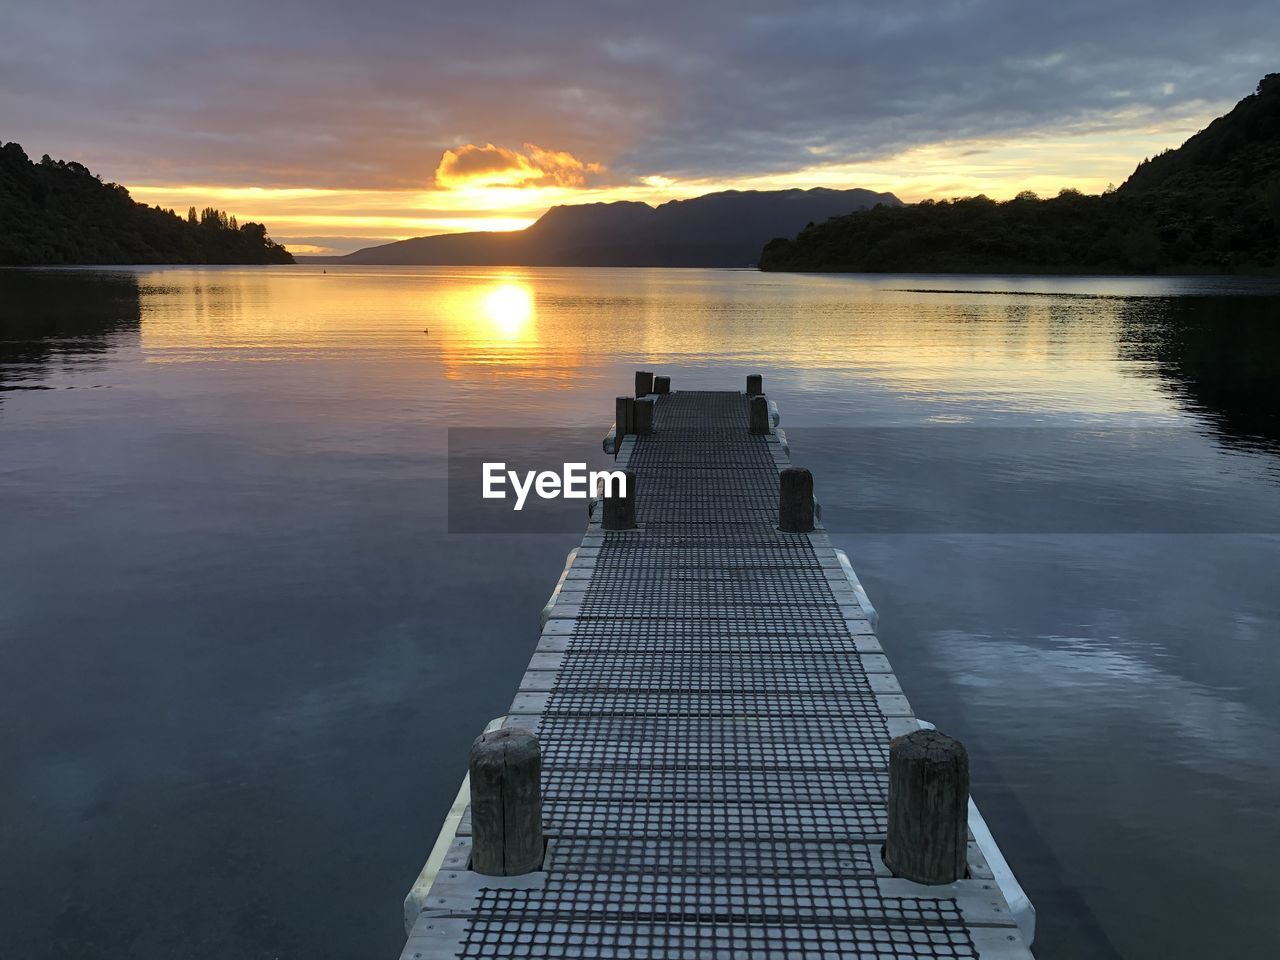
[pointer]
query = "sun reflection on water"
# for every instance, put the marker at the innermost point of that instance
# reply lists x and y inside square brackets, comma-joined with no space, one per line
[508,307]
[929,347]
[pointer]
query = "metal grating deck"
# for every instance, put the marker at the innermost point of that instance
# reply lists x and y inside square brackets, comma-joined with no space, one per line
[714,713]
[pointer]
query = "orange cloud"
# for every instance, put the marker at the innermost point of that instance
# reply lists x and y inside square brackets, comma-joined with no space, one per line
[471,165]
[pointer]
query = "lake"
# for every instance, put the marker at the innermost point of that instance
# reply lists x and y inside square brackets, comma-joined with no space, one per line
[244,656]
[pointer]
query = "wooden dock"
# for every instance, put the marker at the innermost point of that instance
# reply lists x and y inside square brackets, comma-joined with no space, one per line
[714,712]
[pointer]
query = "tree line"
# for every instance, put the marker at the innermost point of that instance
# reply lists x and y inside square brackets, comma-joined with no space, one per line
[59,212]
[1210,206]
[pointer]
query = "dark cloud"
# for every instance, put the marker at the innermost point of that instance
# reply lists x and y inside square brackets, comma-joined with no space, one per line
[346,95]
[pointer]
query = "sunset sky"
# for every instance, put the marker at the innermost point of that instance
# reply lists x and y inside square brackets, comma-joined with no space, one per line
[342,125]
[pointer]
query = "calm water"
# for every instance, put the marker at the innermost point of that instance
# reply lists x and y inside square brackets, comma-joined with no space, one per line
[242,659]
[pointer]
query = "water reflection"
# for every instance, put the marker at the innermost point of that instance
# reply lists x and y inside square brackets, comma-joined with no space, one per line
[490,322]
[229,601]
[509,308]
[976,353]
[61,319]
[1219,356]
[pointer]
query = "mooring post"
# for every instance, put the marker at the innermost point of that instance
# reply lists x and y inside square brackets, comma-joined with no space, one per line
[620,506]
[643,416]
[661,384]
[506,803]
[624,417]
[760,415]
[644,383]
[928,807]
[795,500]
[755,385]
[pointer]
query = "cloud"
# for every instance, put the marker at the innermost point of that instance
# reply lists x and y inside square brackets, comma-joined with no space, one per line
[491,166]
[325,93]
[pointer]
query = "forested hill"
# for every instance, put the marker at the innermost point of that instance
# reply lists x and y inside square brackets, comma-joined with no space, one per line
[1210,206]
[55,212]
[1239,150]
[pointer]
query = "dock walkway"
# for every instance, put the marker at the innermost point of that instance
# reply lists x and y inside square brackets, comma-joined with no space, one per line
[714,711]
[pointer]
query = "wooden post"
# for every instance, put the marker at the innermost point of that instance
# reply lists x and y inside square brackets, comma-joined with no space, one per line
[661,384]
[506,803]
[795,500]
[755,385]
[643,417]
[644,383]
[760,415]
[624,417]
[620,511]
[928,807]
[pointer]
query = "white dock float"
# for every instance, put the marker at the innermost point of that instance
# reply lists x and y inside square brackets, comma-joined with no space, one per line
[715,712]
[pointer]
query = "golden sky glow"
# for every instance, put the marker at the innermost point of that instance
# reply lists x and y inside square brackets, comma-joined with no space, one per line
[488,187]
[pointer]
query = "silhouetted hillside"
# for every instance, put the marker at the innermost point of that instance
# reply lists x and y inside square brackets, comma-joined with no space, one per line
[1240,149]
[55,212]
[717,230]
[1212,205]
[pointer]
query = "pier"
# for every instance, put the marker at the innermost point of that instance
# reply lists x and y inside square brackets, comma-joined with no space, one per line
[725,765]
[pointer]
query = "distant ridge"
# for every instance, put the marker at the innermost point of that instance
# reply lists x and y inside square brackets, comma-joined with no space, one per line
[724,229]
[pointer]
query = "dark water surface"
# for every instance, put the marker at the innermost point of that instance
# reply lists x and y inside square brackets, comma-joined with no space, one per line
[241,659]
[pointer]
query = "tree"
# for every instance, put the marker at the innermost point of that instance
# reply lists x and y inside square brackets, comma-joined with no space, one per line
[60,212]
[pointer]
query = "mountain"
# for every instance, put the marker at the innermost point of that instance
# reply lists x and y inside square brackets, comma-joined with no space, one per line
[1210,206]
[716,230]
[1241,149]
[55,212]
